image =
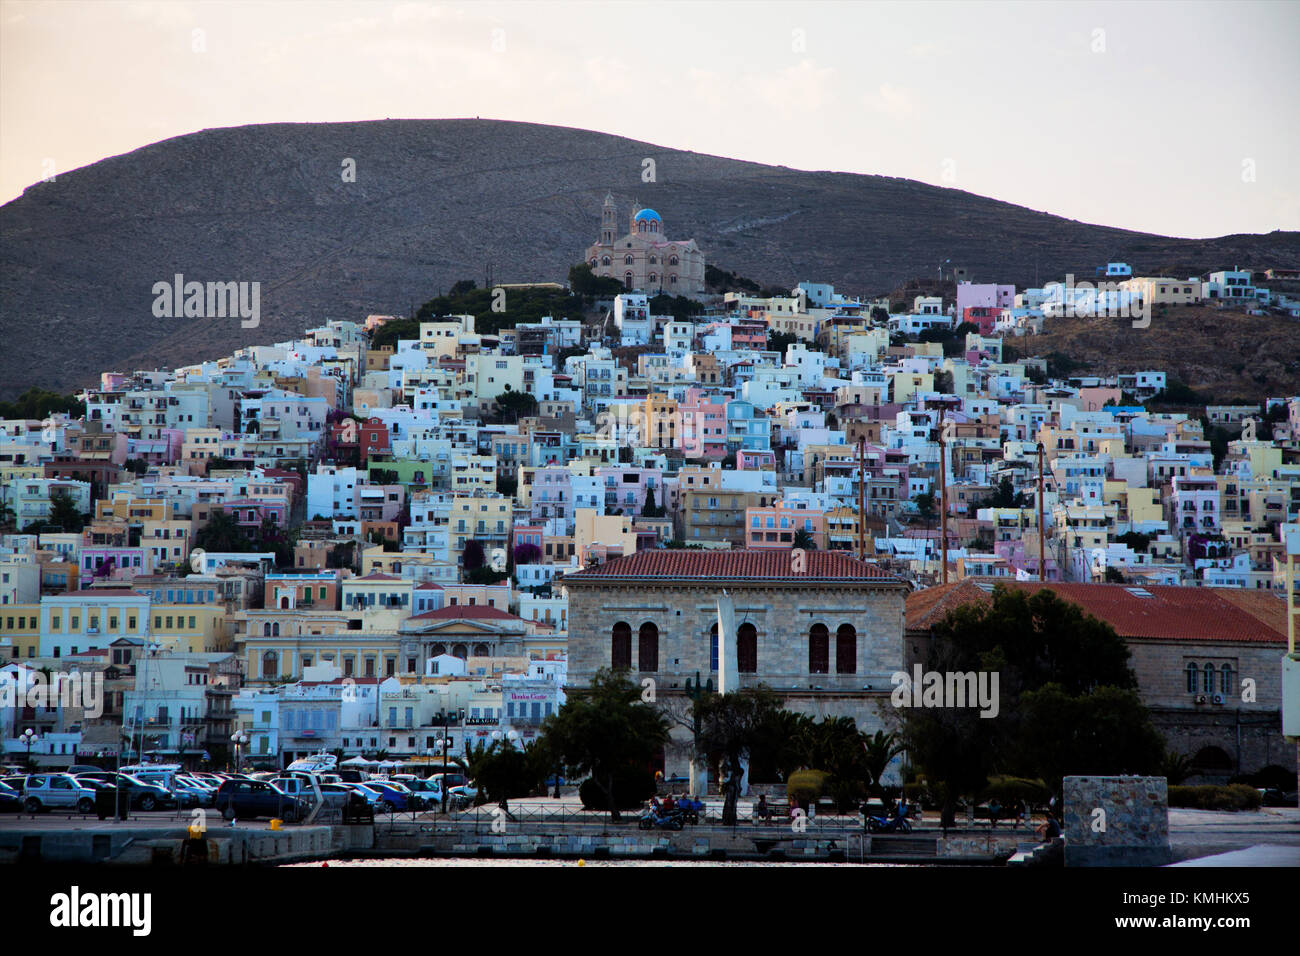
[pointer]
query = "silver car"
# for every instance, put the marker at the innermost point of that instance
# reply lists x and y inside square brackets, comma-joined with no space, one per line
[56,791]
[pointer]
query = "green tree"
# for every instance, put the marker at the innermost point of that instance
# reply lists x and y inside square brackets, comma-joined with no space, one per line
[64,513]
[1028,642]
[649,509]
[924,501]
[606,729]
[510,405]
[728,728]
[803,540]
[880,749]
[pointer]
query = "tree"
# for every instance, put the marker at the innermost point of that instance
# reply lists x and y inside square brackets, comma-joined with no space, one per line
[605,730]
[64,513]
[650,509]
[728,728]
[501,771]
[780,341]
[511,404]
[803,540]
[527,553]
[472,557]
[925,505]
[881,748]
[1028,642]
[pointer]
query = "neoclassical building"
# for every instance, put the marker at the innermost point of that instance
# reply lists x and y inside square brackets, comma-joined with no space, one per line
[826,634]
[644,259]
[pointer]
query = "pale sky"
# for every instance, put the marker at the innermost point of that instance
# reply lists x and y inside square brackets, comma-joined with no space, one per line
[1172,118]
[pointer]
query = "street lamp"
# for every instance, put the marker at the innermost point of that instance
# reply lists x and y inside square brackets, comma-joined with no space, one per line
[239,739]
[29,737]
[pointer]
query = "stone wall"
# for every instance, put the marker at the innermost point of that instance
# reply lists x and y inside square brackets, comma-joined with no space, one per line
[1116,821]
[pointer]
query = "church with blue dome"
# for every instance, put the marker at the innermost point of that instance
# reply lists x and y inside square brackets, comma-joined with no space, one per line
[643,259]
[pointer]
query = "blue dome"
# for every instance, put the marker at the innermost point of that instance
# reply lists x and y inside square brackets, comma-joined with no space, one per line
[647,214]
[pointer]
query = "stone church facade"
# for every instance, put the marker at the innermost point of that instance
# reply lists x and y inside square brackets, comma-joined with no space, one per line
[643,259]
[826,638]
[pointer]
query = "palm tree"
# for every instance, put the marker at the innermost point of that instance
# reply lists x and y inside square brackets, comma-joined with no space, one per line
[1176,768]
[803,540]
[881,748]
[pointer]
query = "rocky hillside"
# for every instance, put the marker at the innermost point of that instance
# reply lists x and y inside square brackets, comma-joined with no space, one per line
[441,200]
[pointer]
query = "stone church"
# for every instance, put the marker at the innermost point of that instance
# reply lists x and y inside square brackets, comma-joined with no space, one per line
[643,259]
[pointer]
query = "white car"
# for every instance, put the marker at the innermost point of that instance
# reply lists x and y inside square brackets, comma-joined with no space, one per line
[56,791]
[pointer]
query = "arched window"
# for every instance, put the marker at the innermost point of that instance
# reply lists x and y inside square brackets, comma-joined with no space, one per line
[627,279]
[1192,671]
[654,260]
[275,629]
[672,280]
[653,277]
[846,650]
[620,652]
[266,629]
[461,651]
[604,260]
[1207,684]
[481,650]
[1225,679]
[819,650]
[592,263]
[747,649]
[672,260]
[270,664]
[713,647]
[647,648]
[437,650]
[628,260]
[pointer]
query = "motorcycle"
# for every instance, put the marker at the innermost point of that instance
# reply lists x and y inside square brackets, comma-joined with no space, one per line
[898,823]
[652,818]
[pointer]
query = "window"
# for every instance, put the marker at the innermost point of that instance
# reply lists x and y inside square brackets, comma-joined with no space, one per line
[747,649]
[1208,682]
[819,640]
[648,648]
[270,665]
[846,650]
[1225,679]
[620,655]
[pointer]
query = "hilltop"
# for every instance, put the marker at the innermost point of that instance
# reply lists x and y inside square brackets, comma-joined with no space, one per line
[436,201]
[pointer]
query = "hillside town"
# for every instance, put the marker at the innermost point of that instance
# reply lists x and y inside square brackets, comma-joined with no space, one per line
[395,546]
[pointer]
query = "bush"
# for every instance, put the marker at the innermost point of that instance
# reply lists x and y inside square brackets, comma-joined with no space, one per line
[805,786]
[632,788]
[1235,796]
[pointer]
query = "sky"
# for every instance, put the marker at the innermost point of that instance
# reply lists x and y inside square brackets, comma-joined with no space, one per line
[1172,118]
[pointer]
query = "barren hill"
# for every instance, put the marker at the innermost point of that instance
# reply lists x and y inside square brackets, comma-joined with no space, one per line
[441,200]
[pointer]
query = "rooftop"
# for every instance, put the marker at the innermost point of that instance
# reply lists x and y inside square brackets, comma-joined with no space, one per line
[739,565]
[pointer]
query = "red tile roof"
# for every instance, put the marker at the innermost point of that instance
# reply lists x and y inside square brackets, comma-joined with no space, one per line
[1169,613]
[466,612]
[740,565]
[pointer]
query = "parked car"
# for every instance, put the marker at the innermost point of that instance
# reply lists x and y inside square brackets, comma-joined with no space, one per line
[56,791]
[11,800]
[257,798]
[143,796]
[396,797]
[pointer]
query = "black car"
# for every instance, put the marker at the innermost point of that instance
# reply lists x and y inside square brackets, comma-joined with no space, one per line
[143,796]
[256,798]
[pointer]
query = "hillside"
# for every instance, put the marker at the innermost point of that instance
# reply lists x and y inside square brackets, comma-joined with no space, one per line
[441,200]
[1225,353]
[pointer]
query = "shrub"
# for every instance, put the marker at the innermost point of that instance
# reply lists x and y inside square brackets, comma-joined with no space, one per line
[1235,796]
[805,786]
[632,787]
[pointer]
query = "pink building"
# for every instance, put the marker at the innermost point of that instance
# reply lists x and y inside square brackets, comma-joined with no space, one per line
[703,425]
[985,295]
[775,527]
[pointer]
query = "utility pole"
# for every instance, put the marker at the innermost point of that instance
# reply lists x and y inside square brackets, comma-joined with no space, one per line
[862,497]
[943,506]
[1042,492]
